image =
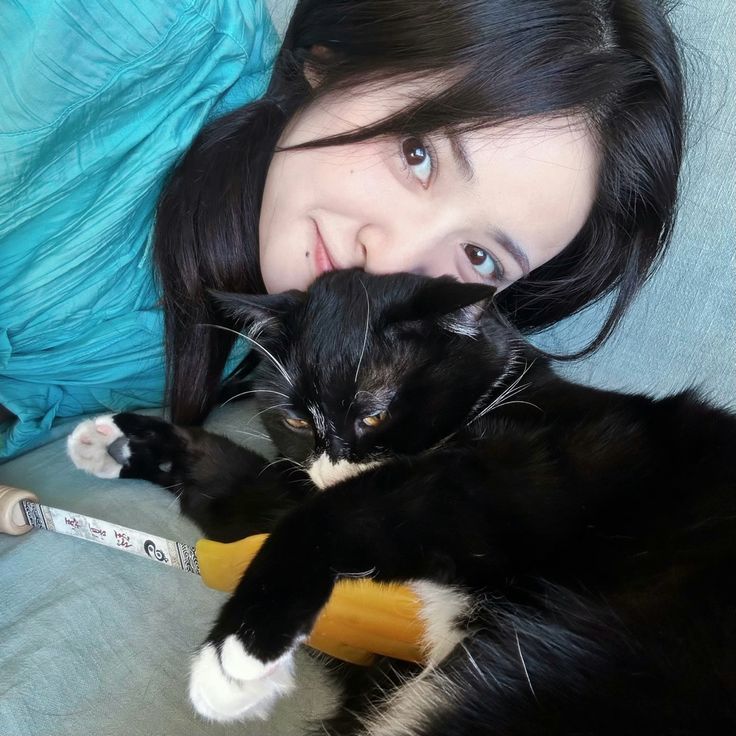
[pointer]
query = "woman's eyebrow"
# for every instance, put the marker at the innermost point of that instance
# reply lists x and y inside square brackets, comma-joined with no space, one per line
[460,155]
[511,247]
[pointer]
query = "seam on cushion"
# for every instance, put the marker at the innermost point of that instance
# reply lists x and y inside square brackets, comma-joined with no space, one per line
[189,9]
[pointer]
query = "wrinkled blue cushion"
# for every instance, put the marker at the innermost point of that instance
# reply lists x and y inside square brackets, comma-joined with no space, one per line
[98,100]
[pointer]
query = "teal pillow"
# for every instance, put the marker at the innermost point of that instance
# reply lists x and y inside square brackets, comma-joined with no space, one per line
[99,100]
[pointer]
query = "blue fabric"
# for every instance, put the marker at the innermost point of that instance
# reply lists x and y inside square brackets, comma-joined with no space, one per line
[97,103]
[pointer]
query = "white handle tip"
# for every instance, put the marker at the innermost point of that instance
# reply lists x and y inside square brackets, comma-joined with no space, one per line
[12,520]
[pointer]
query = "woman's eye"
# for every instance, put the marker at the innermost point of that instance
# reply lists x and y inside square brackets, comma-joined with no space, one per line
[296,423]
[417,157]
[373,420]
[482,261]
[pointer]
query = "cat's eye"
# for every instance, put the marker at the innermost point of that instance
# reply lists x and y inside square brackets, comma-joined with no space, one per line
[373,420]
[296,423]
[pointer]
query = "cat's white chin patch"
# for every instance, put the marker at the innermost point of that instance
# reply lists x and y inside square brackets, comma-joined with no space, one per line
[325,473]
[87,446]
[236,686]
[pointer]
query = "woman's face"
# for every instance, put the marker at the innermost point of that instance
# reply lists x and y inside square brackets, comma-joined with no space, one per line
[486,206]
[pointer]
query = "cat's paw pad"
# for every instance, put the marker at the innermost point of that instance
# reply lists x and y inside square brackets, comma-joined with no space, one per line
[233,685]
[98,446]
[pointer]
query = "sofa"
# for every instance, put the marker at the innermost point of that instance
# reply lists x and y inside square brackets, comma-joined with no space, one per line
[95,641]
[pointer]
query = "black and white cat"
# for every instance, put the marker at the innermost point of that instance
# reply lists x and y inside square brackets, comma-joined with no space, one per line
[574,549]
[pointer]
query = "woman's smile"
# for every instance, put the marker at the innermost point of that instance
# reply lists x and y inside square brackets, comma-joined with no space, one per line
[322,258]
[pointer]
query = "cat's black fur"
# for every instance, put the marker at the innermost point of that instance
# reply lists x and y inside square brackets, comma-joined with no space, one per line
[597,530]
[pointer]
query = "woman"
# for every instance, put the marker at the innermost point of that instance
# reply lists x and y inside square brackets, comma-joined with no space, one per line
[535,145]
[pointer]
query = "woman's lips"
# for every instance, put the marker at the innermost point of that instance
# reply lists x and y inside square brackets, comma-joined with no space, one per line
[321,255]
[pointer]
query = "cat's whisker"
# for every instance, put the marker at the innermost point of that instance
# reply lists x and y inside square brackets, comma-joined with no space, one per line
[266,352]
[305,482]
[511,363]
[365,336]
[364,574]
[501,398]
[173,485]
[355,397]
[523,664]
[256,435]
[254,391]
[512,390]
[528,403]
[472,661]
[516,381]
[177,496]
[299,466]
[263,411]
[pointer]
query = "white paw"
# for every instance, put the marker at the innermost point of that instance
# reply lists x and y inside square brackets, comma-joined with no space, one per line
[235,685]
[87,446]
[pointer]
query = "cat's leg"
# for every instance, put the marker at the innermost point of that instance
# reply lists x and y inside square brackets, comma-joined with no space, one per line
[229,491]
[229,681]
[129,445]
[245,663]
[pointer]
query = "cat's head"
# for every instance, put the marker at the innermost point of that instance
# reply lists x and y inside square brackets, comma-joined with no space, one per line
[361,367]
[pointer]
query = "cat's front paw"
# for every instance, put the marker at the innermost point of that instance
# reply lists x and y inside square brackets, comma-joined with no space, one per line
[229,684]
[98,446]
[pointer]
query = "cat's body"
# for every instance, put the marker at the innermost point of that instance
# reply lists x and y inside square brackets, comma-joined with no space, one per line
[578,546]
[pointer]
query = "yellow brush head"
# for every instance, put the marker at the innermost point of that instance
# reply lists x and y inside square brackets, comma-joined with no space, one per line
[361,619]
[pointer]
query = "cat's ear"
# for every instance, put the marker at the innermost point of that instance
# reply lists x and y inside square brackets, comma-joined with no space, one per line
[256,312]
[458,306]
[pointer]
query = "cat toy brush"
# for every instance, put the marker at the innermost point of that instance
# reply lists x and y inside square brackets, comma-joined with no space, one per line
[362,619]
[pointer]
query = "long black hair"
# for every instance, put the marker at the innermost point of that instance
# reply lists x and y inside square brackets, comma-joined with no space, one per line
[614,62]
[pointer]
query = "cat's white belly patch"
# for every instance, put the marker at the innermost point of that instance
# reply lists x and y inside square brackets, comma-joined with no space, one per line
[443,610]
[324,472]
[412,706]
[87,446]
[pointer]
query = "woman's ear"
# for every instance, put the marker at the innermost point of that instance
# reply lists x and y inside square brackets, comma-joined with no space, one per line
[318,57]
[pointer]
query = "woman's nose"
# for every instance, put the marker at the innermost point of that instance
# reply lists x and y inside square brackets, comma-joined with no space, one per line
[389,249]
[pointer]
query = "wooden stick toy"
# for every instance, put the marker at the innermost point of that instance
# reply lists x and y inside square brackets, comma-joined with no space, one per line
[362,619]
